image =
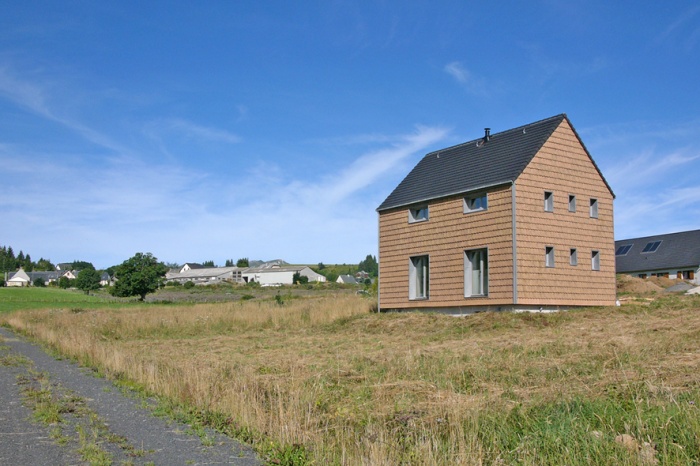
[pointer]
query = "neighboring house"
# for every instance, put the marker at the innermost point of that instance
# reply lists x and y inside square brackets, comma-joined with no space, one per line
[673,255]
[206,275]
[280,275]
[105,279]
[347,280]
[48,277]
[192,266]
[521,219]
[19,278]
[361,276]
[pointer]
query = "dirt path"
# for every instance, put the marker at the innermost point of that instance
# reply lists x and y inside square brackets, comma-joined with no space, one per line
[53,412]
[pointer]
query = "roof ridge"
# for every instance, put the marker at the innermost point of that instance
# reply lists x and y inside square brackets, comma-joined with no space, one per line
[501,133]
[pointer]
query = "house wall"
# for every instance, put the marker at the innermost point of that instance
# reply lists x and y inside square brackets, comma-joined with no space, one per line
[673,273]
[445,237]
[563,167]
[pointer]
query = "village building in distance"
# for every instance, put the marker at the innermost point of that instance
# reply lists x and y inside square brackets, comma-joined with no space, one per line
[517,220]
[671,255]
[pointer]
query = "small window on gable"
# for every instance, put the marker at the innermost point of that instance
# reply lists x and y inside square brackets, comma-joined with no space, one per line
[549,256]
[418,214]
[594,208]
[548,201]
[623,250]
[651,247]
[572,203]
[573,257]
[475,203]
[595,260]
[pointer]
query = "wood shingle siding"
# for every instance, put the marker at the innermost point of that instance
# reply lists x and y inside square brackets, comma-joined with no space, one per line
[563,167]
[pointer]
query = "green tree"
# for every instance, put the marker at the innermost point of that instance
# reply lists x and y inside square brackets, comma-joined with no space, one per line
[44,265]
[370,265]
[64,282]
[229,263]
[39,282]
[299,279]
[82,265]
[243,262]
[88,280]
[208,264]
[138,276]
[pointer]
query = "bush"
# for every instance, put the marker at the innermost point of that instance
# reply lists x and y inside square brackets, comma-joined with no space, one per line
[39,282]
[173,283]
[188,285]
[2,283]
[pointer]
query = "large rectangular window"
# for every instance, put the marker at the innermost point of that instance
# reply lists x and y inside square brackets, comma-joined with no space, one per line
[418,214]
[476,273]
[419,277]
[548,201]
[595,260]
[594,208]
[475,203]
[549,256]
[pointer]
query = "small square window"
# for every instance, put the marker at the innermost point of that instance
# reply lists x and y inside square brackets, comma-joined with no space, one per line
[475,203]
[573,257]
[594,208]
[595,260]
[549,256]
[572,203]
[548,201]
[418,214]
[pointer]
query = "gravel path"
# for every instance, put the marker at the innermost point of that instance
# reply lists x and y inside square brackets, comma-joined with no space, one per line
[98,423]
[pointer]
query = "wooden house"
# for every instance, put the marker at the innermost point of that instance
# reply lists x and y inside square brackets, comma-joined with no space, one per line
[518,220]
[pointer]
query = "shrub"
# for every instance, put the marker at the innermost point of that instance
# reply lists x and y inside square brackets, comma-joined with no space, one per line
[188,285]
[39,282]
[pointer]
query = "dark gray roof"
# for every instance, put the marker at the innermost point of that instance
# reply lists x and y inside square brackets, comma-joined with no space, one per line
[474,165]
[677,250]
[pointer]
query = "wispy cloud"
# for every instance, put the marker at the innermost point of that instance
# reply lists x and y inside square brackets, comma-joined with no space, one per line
[193,130]
[683,26]
[35,98]
[466,78]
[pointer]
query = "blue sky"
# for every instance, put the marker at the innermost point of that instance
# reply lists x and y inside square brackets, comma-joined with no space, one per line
[214,130]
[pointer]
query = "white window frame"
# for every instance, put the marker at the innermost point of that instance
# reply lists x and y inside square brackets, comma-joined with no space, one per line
[476,203]
[418,214]
[594,208]
[572,203]
[476,272]
[595,260]
[419,277]
[573,257]
[549,201]
[549,256]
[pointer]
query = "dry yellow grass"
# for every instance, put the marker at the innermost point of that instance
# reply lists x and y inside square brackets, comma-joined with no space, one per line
[362,388]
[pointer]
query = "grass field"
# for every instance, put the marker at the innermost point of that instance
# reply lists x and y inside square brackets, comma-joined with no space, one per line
[321,380]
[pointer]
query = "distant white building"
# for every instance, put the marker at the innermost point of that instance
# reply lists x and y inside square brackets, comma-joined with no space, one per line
[283,275]
[206,275]
[19,278]
[347,280]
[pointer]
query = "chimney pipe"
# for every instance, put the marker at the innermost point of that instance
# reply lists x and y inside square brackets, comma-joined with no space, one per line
[487,134]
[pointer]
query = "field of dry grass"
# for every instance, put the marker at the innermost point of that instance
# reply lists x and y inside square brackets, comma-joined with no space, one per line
[335,384]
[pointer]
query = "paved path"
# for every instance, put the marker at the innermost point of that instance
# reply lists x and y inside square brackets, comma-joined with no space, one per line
[121,428]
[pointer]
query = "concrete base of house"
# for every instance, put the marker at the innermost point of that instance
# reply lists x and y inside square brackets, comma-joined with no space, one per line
[459,311]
